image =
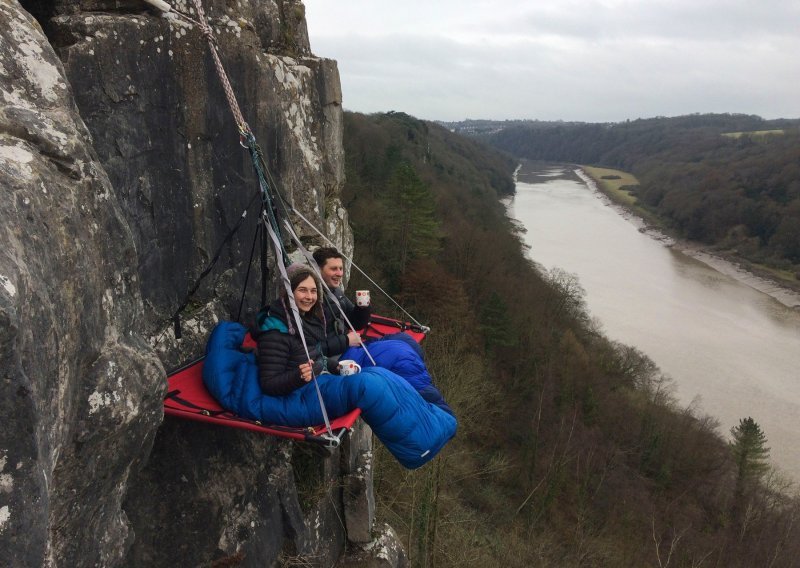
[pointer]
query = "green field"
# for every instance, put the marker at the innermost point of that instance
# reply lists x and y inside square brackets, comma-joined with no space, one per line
[613,183]
[755,133]
[621,188]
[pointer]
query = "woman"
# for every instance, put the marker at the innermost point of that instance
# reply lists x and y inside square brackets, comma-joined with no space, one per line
[283,364]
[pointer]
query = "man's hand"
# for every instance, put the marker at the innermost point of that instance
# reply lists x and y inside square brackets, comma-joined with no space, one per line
[353,339]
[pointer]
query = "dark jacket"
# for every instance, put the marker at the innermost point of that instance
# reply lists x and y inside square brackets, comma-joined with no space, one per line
[281,350]
[336,328]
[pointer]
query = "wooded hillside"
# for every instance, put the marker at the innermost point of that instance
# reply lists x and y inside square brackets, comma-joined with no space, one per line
[571,450]
[730,181]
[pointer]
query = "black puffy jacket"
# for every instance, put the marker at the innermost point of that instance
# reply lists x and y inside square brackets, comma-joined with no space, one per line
[336,328]
[281,350]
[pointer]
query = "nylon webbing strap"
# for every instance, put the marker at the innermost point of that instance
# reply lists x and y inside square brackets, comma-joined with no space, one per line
[247,273]
[173,395]
[269,211]
[299,323]
[264,267]
[329,293]
[331,243]
[176,316]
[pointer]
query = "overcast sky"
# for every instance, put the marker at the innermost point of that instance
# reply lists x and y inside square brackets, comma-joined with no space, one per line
[587,60]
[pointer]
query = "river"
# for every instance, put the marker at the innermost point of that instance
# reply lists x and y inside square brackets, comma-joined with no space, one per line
[731,350]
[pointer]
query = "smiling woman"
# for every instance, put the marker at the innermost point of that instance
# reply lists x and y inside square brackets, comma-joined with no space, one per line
[288,358]
[305,295]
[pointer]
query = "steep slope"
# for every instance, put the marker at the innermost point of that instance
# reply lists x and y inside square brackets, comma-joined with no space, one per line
[571,451]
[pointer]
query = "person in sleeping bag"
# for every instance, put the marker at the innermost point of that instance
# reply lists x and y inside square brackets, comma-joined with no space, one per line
[412,429]
[283,361]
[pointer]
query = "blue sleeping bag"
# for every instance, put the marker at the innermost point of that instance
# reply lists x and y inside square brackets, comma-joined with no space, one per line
[402,355]
[412,429]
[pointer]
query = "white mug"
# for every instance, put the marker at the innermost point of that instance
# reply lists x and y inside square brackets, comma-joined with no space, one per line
[349,367]
[362,298]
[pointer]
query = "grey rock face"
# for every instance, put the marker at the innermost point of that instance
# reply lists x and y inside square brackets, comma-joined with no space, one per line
[150,95]
[112,211]
[249,500]
[359,497]
[384,551]
[79,386]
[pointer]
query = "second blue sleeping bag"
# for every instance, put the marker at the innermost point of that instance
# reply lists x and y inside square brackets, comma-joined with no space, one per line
[402,355]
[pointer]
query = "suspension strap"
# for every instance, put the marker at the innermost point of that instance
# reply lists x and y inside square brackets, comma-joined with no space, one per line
[329,293]
[331,243]
[268,195]
[247,273]
[299,323]
[264,265]
[176,316]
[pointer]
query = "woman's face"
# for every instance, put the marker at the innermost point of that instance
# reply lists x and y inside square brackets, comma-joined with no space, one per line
[305,295]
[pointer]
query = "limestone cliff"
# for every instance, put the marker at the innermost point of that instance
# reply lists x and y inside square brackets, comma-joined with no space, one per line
[122,172]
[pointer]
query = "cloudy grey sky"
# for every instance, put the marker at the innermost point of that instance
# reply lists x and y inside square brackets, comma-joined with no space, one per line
[589,60]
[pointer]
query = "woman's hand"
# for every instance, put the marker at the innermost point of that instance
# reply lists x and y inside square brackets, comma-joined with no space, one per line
[353,340]
[305,371]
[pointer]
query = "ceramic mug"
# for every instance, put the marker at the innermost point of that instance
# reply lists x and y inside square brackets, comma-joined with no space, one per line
[349,367]
[362,298]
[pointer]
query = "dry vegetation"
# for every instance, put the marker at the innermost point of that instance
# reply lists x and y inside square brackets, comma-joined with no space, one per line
[571,450]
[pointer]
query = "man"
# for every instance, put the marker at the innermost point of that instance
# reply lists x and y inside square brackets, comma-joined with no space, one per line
[397,352]
[331,267]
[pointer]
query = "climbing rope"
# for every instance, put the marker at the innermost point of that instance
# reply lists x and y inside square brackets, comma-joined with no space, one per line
[223,77]
[202,23]
[270,199]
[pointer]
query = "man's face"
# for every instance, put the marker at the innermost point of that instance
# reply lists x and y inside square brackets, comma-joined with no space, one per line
[332,272]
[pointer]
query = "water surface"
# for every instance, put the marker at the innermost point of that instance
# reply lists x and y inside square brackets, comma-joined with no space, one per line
[730,348]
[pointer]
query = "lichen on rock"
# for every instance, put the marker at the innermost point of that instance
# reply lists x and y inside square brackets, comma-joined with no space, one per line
[123,173]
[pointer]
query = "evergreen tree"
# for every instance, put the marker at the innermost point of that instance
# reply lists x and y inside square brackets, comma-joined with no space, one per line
[750,451]
[413,228]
